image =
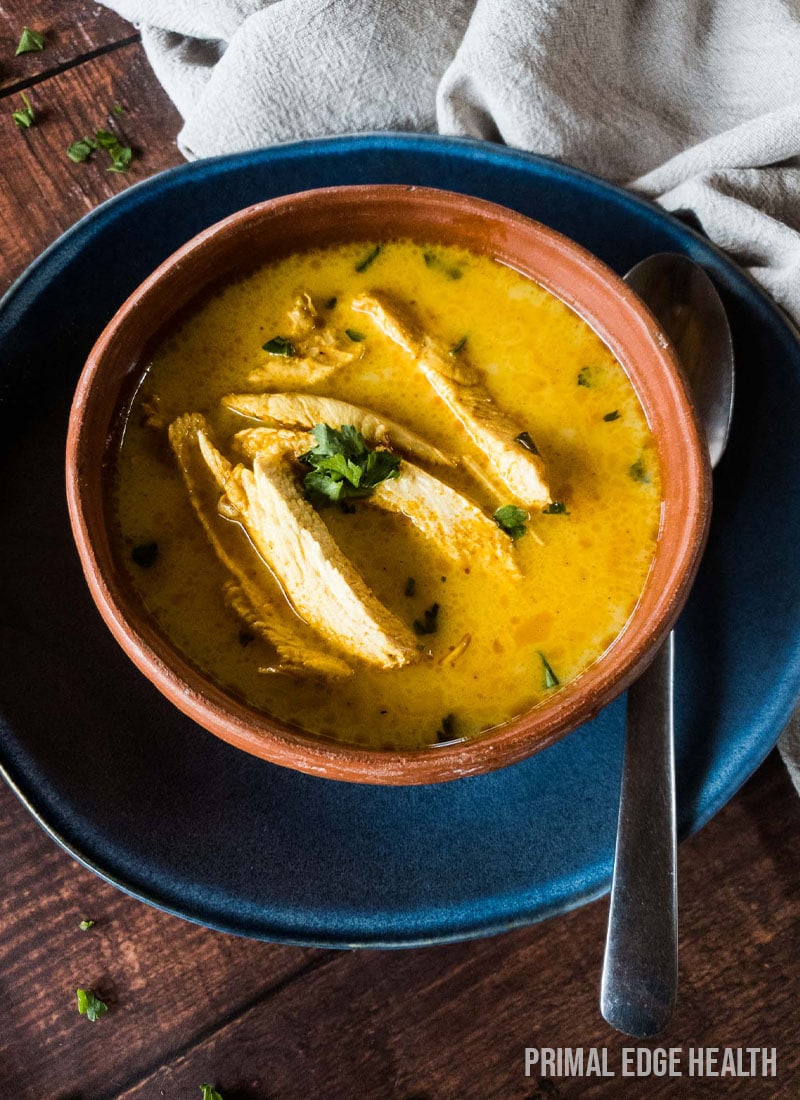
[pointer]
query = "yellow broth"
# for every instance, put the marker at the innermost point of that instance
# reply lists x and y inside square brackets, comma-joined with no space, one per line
[582,571]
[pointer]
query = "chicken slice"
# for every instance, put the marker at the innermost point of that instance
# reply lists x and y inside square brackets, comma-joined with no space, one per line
[515,470]
[320,350]
[251,590]
[456,525]
[304,410]
[321,583]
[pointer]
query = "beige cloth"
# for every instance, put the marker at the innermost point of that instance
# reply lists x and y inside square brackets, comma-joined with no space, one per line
[695,103]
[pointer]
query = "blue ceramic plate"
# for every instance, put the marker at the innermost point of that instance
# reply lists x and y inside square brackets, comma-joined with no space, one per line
[172,815]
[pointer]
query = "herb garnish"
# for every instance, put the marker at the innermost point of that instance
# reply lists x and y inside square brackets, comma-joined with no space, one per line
[456,348]
[429,623]
[331,303]
[447,729]
[370,258]
[26,117]
[121,155]
[85,925]
[512,520]
[638,471]
[344,466]
[355,335]
[585,376]
[90,1005]
[525,441]
[411,587]
[29,41]
[550,678]
[118,109]
[81,150]
[209,1093]
[555,508]
[611,416]
[450,270]
[145,554]
[279,345]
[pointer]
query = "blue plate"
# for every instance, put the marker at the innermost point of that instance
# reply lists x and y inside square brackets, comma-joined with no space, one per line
[172,815]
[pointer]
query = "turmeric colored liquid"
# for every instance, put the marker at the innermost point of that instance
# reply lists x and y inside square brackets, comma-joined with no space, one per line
[582,571]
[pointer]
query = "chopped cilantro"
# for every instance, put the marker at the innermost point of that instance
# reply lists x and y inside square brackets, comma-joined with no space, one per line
[447,728]
[25,117]
[429,623]
[145,554]
[30,41]
[331,303]
[355,335]
[456,348]
[512,520]
[118,109]
[411,587]
[585,377]
[342,465]
[611,416]
[85,925]
[369,259]
[209,1093]
[525,441]
[638,471]
[435,261]
[279,345]
[81,150]
[550,678]
[90,1005]
[556,508]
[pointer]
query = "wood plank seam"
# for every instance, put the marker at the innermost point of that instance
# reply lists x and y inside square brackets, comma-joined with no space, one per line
[65,66]
[320,963]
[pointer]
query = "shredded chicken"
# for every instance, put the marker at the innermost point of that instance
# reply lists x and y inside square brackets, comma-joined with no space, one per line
[320,350]
[517,473]
[304,410]
[252,591]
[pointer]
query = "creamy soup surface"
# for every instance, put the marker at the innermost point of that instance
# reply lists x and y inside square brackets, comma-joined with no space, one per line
[489,639]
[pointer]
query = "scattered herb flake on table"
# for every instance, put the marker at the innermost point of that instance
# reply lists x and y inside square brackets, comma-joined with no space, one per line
[30,41]
[90,1005]
[26,117]
[210,1093]
[85,925]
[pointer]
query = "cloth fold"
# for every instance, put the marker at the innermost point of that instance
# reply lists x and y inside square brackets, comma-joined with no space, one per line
[692,103]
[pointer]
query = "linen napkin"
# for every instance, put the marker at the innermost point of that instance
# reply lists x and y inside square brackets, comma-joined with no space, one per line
[694,103]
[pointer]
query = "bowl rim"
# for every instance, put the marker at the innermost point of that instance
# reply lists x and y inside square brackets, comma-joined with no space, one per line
[207,703]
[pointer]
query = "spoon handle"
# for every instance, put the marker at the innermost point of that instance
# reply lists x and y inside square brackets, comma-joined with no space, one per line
[640,968]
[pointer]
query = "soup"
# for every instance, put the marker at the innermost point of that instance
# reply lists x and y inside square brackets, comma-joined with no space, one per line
[392,494]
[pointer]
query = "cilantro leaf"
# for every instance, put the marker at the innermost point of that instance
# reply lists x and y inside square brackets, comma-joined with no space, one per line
[355,335]
[525,441]
[585,377]
[279,345]
[611,416]
[342,465]
[435,261]
[411,587]
[429,623]
[456,348]
[369,259]
[90,1005]
[512,520]
[26,117]
[638,471]
[85,925]
[550,678]
[81,150]
[556,508]
[210,1093]
[447,729]
[30,41]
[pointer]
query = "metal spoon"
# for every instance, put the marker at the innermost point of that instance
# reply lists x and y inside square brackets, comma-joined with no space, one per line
[640,968]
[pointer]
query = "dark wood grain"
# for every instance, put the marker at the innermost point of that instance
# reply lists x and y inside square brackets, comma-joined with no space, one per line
[42,192]
[71,31]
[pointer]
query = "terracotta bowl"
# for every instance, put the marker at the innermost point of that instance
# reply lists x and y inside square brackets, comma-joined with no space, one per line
[272,229]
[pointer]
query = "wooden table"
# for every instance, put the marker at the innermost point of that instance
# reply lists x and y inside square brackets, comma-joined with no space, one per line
[268,1022]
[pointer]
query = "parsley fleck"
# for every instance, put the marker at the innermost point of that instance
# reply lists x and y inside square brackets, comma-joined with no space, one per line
[279,345]
[611,416]
[429,623]
[90,1005]
[85,925]
[447,728]
[331,303]
[512,520]
[585,377]
[145,554]
[121,155]
[355,335]
[118,109]
[434,261]
[556,508]
[638,471]
[25,117]
[369,259]
[209,1093]
[81,150]
[411,587]
[30,41]
[456,348]
[342,465]
[525,441]
[550,678]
